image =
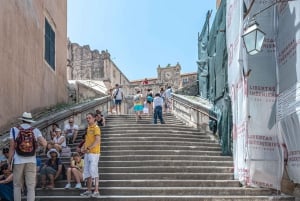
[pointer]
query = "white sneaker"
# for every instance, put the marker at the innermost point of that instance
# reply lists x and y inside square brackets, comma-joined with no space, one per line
[68,186]
[78,186]
[86,194]
[96,195]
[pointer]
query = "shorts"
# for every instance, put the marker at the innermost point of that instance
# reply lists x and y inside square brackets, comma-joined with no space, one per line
[91,166]
[118,102]
[138,108]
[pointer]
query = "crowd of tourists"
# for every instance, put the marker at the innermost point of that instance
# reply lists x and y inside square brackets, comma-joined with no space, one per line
[152,104]
[21,167]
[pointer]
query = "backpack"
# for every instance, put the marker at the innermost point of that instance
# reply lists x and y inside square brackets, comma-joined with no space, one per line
[149,98]
[25,143]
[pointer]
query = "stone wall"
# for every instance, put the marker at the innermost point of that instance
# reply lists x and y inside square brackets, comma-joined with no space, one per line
[87,64]
[27,81]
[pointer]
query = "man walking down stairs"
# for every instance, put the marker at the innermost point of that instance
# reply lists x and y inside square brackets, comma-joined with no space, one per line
[163,162]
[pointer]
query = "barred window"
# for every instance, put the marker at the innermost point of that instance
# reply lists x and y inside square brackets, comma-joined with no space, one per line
[49,45]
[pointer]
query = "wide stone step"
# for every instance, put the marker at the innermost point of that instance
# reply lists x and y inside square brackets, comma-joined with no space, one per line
[161,152]
[164,157]
[152,132]
[150,127]
[158,183]
[138,133]
[166,143]
[164,169]
[159,147]
[144,121]
[184,176]
[165,191]
[170,198]
[155,138]
[184,158]
[178,163]
[147,117]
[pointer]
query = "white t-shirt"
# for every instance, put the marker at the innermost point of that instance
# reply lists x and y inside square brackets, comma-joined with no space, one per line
[119,94]
[21,159]
[157,101]
[57,139]
[69,130]
[168,93]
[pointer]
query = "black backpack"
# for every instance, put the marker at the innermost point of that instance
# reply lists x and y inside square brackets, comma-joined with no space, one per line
[25,142]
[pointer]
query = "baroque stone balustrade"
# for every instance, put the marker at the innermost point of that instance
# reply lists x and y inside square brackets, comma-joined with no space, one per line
[194,111]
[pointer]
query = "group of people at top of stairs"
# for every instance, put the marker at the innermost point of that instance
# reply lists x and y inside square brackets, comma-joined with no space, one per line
[151,104]
[20,169]
[143,103]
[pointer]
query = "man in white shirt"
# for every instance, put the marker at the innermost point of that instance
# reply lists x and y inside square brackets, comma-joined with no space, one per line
[71,131]
[158,103]
[118,96]
[24,166]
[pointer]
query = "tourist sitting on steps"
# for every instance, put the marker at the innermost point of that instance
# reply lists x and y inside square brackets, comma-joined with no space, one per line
[71,131]
[75,170]
[52,170]
[58,142]
[6,184]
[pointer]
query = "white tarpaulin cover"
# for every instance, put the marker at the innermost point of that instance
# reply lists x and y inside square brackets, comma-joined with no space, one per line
[288,65]
[253,86]
[237,87]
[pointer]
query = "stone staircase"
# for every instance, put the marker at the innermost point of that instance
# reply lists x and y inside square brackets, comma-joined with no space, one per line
[170,162]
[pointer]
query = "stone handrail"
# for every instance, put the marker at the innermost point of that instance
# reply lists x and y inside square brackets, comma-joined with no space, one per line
[194,111]
[78,112]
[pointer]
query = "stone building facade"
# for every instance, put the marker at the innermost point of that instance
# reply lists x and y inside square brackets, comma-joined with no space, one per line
[167,76]
[33,38]
[87,64]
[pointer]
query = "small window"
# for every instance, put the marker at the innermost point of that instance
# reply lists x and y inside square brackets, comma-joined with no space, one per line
[185,80]
[49,45]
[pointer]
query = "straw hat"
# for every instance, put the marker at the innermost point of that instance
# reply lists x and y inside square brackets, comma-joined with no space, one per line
[27,117]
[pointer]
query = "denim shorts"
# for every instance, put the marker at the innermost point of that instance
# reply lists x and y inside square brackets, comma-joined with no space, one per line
[118,102]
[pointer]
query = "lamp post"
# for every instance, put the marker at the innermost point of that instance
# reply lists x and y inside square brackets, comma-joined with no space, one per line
[253,38]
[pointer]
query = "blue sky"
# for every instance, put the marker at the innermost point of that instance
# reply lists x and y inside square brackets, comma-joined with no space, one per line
[140,34]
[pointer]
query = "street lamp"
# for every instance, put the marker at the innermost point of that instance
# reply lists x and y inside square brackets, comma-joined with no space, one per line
[253,38]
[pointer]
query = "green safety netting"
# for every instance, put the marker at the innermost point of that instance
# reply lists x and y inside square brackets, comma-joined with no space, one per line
[212,75]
